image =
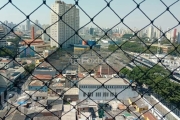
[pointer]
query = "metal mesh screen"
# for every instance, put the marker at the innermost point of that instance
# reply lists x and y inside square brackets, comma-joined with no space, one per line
[76,68]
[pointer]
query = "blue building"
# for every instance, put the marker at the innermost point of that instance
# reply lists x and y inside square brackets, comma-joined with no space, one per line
[25,51]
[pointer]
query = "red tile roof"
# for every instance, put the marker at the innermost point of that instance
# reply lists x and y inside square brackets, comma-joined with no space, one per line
[80,75]
[42,77]
[30,41]
[106,70]
[149,116]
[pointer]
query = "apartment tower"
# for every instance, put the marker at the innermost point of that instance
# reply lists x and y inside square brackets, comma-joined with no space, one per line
[65,23]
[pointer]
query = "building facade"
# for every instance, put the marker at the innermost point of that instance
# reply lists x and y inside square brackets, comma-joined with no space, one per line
[178,38]
[3,42]
[28,25]
[151,32]
[112,87]
[46,36]
[63,29]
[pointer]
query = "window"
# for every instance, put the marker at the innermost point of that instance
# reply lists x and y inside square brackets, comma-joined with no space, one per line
[84,94]
[107,94]
[98,94]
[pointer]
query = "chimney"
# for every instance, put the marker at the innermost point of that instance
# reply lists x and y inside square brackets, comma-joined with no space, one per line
[32,33]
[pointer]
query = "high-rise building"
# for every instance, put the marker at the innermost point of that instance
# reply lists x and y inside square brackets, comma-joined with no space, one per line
[151,32]
[63,29]
[91,31]
[174,35]
[28,25]
[159,32]
[178,38]
[46,36]
[168,34]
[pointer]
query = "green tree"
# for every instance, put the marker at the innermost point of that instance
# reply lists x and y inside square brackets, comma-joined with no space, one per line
[29,68]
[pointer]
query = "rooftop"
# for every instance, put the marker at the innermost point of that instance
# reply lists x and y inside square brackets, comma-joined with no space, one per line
[30,41]
[36,83]
[100,81]
[149,116]
[42,77]
[138,101]
[72,91]
[38,93]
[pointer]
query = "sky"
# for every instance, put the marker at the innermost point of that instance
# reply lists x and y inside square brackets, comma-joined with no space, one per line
[106,19]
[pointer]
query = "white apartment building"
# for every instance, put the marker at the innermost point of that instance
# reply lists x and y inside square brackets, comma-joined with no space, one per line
[60,31]
[151,32]
[112,87]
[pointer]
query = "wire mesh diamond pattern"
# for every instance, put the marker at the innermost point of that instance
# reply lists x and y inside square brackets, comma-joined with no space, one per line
[75,67]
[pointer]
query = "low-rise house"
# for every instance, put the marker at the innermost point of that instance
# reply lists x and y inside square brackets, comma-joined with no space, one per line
[71,78]
[6,63]
[37,85]
[71,94]
[5,80]
[138,103]
[39,95]
[69,113]
[54,100]
[57,87]
[44,68]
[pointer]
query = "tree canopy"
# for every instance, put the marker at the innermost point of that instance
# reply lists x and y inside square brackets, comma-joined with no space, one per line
[157,79]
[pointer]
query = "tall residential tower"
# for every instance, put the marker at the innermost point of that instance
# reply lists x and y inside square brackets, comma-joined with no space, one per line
[63,29]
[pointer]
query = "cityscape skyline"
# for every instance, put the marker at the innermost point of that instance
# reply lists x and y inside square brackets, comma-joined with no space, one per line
[135,19]
[53,66]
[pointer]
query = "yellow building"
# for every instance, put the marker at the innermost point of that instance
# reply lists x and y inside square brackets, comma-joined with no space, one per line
[138,104]
[38,61]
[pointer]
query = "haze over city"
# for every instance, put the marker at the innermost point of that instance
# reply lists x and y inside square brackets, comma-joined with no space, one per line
[105,19]
[55,67]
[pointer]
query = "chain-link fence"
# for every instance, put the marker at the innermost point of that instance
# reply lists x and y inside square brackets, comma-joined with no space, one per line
[75,67]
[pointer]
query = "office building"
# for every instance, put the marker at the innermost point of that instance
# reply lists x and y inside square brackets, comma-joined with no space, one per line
[28,25]
[3,42]
[61,33]
[158,32]
[174,35]
[151,32]
[178,38]
[91,31]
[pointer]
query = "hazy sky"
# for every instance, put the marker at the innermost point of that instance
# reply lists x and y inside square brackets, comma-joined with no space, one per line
[105,19]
